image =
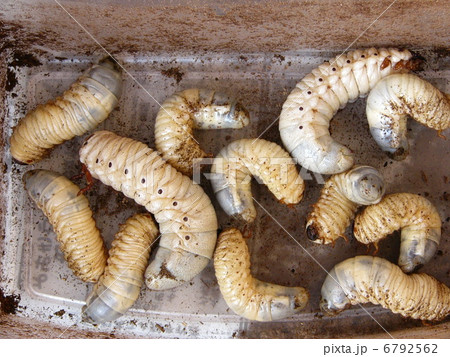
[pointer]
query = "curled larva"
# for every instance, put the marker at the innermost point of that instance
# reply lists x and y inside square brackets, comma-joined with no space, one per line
[186,217]
[245,295]
[119,286]
[80,109]
[393,100]
[306,114]
[193,109]
[71,218]
[232,169]
[365,279]
[339,199]
[417,218]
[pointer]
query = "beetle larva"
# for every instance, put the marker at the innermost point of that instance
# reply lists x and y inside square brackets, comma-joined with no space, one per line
[235,163]
[306,114]
[186,217]
[393,100]
[71,218]
[339,199]
[245,295]
[414,215]
[193,109]
[120,284]
[365,279]
[80,109]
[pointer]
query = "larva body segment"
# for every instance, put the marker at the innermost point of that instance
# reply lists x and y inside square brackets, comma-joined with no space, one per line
[365,279]
[414,215]
[72,221]
[234,165]
[119,286]
[309,108]
[393,100]
[187,220]
[245,295]
[80,109]
[193,109]
[339,199]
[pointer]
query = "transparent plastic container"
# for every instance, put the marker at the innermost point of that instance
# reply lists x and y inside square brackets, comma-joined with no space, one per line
[33,267]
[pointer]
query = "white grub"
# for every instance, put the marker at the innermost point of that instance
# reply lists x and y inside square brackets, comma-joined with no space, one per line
[365,279]
[418,220]
[235,164]
[186,217]
[245,295]
[396,98]
[339,200]
[191,109]
[80,109]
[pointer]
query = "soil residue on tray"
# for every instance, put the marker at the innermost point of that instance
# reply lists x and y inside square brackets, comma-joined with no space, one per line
[22,59]
[9,303]
[173,72]
[11,80]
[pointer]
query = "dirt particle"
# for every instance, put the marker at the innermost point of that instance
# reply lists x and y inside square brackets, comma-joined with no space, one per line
[160,328]
[11,80]
[60,313]
[173,72]
[22,59]
[9,303]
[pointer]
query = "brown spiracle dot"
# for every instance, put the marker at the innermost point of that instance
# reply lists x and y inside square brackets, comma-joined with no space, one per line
[110,164]
[348,61]
[187,237]
[175,203]
[126,171]
[301,108]
[160,191]
[363,56]
[320,79]
[333,69]
[96,161]
[375,54]
[309,92]
[185,219]
[143,180]
[300,127]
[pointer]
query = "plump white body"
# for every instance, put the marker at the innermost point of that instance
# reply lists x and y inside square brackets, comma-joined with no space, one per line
[119,286]
[370,279]
[339,199]
[237,162]
[245,295]
[80,109]
[418,219]
[191,109]
[306,114]
[72,221]
[187,220]
[393,100]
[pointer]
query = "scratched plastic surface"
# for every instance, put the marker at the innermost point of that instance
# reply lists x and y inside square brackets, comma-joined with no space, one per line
[279,248]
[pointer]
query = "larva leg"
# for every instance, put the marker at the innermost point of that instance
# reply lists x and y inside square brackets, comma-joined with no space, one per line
[306,114]
[393,100]
[370,279]
[193,109]
[236,163]
[414,215]
[245,295]
[339,199]
[187,220]
[80,109]
[119,286]
[71,218]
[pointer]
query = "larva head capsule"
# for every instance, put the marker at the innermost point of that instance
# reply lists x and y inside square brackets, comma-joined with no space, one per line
[364,185]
